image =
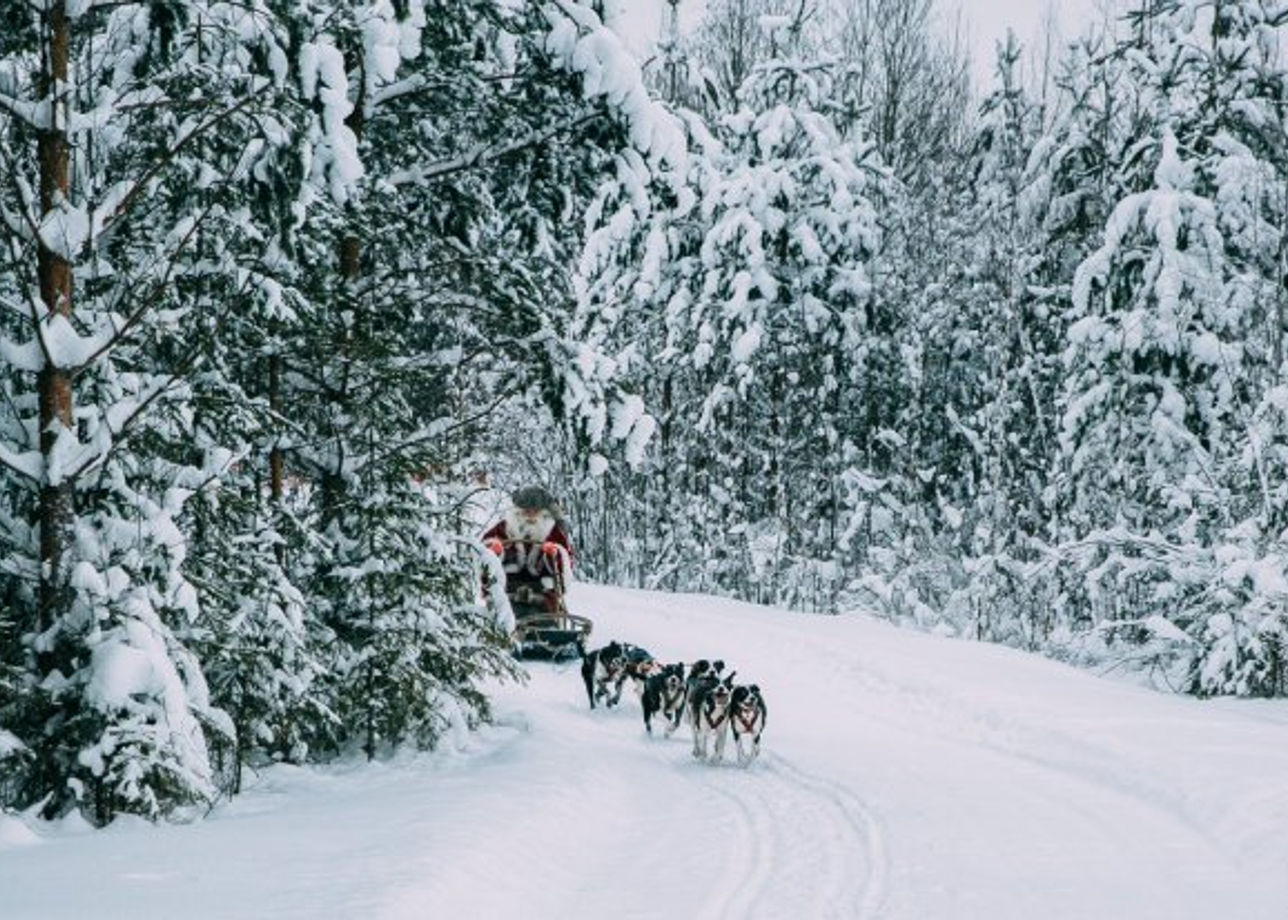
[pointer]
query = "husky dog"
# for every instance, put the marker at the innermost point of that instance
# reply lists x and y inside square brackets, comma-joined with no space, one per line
[664,694]
[603,671]
[702,670]
[709,702]
[747,720]
[640,663]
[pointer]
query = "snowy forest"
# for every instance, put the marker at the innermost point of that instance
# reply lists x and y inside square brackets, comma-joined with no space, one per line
[788,311]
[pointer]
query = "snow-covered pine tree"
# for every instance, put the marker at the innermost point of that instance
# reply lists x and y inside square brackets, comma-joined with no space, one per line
[1173,354]
[751,289]
[133,156]
[986,382]
[448,156]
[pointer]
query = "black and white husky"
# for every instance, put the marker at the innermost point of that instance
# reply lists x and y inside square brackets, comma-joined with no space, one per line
[709,701]
[702,670]
[664,694]
[639,665]
[603,671]
[747,720]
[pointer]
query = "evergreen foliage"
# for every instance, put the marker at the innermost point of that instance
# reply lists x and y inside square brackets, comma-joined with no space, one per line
[1058,407]
[285,283]
[308,248]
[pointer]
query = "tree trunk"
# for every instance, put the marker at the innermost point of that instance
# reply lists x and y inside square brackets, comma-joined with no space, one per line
[275,461]
[55,277]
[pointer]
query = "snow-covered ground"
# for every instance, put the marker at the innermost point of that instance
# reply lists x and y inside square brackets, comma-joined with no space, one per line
[904,776]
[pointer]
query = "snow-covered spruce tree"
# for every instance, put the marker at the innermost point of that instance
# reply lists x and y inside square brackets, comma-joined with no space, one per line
[254,639]
[786,288]
[385,594]
[987,372]
[447,156]
[124,123]
[1065,198]
[260,647]
[632,236]
[753,290]
[910,92]
[260,641]
[1175,355]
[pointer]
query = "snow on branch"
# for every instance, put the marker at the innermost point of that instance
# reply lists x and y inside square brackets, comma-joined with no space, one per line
[483,154]
[35,114]
[28,463]
[64,347]
[21,356]
[582,44]
[335,153]
[64,229]
[121,200]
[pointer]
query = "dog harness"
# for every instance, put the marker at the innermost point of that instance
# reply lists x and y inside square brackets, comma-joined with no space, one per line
[713,725]
[608,678]
[746,717]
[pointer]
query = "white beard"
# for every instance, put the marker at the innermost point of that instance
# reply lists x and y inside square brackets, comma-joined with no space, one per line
[517,527]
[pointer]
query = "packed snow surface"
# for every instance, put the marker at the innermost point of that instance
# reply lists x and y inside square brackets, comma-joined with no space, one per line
[903,776]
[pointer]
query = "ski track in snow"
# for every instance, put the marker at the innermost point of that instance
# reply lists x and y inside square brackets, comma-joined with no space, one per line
[868,833]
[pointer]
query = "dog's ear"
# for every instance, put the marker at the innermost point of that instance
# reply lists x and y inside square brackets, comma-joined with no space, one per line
[755,688]
[729,680]
[718,666]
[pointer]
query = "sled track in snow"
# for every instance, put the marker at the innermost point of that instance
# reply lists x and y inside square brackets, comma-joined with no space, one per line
[874,877]
[803,846]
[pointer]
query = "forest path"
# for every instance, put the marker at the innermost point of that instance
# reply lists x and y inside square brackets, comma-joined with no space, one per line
[903,777]
[996,765]
[614,822]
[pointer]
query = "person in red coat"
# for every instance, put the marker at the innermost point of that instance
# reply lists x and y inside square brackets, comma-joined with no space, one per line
[536,552]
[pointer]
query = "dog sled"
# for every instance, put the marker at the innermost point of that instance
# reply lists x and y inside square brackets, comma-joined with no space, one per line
[544,628]
[550,635]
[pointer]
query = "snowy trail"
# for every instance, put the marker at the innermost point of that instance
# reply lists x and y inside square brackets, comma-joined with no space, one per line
[994,766]
[705,841]
[904,777]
